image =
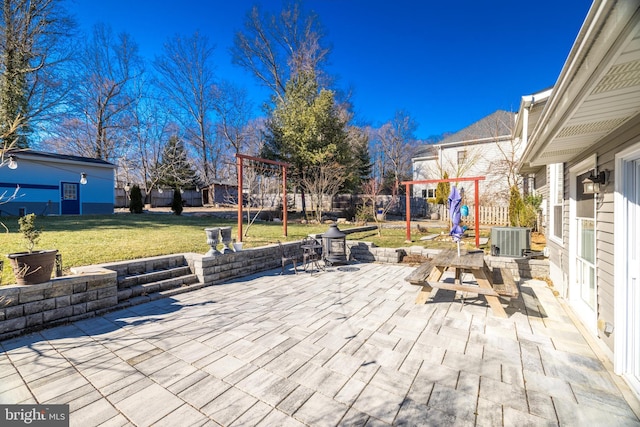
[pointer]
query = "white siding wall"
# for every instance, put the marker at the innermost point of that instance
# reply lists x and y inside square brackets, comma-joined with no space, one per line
[482,159]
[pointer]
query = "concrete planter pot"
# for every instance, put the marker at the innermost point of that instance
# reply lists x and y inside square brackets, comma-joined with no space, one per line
[31,268]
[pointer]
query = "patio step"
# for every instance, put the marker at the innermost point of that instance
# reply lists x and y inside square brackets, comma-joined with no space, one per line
[153,276]
[157,287]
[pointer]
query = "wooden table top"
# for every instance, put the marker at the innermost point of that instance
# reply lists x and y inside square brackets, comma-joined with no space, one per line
[449,258]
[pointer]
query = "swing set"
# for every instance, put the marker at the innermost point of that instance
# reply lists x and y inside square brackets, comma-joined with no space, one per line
[475,180]
[240,163]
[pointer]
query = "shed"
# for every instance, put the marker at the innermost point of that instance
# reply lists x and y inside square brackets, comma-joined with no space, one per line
[56,184]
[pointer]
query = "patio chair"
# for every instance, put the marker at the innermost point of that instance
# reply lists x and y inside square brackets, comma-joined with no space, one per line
[286,259]
[312,252]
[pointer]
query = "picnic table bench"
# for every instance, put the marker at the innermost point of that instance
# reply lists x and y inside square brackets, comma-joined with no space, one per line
[428,276]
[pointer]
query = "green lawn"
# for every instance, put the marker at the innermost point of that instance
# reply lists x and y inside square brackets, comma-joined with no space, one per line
[92,239]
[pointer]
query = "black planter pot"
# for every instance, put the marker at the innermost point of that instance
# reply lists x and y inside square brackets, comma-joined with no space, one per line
[31,268]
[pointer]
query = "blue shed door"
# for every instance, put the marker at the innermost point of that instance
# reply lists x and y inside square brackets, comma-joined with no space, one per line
[70,198]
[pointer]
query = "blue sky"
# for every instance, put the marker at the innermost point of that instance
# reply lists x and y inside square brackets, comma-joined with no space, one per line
[448,64]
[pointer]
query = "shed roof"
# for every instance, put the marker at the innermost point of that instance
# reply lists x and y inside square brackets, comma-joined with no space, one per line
[29,153]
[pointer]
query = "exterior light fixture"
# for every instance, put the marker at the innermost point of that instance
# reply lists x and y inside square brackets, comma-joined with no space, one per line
[83,178]
[594,183]
[12,163]
[160,190]
[127,187]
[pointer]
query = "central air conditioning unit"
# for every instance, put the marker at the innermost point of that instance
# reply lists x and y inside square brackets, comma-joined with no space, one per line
[510,241]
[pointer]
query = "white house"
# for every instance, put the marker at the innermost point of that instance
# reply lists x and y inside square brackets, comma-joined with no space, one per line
[56,184]
[485,148]
[589,130]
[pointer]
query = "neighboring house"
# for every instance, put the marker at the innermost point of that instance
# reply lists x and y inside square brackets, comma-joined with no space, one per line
[591,125]
[485,148]
[51,184]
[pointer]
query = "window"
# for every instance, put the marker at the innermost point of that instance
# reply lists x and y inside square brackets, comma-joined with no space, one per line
[556,194]
[462,156]
[429,193]
[69,191]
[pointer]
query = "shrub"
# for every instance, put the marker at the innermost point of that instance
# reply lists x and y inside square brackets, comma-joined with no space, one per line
[29,231]
[136,205]
[523,213]
[442,190]
[176,204]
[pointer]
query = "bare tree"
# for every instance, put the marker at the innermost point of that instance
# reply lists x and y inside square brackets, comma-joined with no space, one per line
[396,144]
[234,111]
[6,160]
[101,112]
[35,45]
[371,192]
[149,132]
[186,77]
[322,180]
[274,48]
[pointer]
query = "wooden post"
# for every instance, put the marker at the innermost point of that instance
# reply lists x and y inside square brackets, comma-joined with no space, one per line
[240,185]
[284,199]
[477,213]
[408,208]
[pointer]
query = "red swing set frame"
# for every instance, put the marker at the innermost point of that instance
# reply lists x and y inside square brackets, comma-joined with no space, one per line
[475,180]
[239,164]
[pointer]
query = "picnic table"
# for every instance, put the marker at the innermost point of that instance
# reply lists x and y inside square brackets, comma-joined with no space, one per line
[428,276]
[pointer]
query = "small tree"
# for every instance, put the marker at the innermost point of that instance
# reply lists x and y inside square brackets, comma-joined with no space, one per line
[136,204]
[522,213]
[176,204]
[29,231]
[442,191]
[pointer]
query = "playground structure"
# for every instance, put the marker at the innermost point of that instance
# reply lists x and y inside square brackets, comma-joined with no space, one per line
[240,163]
[475,180]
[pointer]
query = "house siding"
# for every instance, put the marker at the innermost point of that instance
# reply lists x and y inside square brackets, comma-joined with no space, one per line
[482,159]
[605,151]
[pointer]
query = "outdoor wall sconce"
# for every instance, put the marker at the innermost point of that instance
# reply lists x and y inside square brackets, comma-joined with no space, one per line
[12,163]
[83,178]
[593,184]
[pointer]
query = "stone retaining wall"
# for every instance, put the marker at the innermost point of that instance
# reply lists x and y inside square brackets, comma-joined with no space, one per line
[24,308]
[521,268]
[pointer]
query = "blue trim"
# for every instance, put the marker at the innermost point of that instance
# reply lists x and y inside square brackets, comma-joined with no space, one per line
[38,186]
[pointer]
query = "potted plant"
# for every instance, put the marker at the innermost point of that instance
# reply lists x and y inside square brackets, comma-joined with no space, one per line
[32,267]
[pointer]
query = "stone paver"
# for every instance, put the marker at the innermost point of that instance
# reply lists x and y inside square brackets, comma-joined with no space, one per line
[343,347]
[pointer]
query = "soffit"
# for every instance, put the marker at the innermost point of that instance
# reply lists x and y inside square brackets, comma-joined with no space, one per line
[612,101]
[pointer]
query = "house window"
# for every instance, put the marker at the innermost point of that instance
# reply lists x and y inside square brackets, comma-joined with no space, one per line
[69,191]
[429,193]
[556,194]
[462,156]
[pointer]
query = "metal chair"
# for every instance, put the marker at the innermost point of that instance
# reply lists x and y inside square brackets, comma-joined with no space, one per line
[311,252]
[286,259]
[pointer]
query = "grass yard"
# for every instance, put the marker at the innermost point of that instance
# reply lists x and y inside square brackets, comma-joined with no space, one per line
[93,239]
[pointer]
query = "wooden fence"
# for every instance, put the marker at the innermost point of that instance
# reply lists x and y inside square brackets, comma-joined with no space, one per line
[489,215]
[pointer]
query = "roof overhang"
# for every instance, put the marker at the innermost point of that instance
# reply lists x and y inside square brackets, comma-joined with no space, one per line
[598,89]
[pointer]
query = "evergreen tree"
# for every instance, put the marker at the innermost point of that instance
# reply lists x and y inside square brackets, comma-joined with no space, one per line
[306,129]
[442,190]
[176,203]
[136,204]
[362,165]
[174,170]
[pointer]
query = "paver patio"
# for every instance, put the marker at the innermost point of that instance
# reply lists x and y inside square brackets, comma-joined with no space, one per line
[347,346]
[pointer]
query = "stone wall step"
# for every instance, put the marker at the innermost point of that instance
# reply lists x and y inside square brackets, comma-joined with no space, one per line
[156,287]
[152,276]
